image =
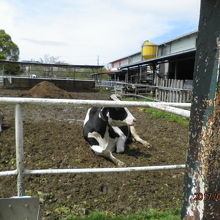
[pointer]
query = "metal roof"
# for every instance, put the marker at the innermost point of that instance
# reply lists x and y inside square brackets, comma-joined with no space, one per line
[163,43]
[177,38]
[161,58]
[51,64]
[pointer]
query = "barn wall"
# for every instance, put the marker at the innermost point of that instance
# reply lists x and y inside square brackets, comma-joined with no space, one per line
[181,44]
[185,43]
[119,63]
[134,58]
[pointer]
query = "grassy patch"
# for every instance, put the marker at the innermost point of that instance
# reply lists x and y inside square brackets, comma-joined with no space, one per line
[136,99]
[156,113]
[152,214]
[103,91]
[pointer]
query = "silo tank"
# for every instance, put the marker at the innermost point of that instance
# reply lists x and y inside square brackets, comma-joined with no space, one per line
[149,50]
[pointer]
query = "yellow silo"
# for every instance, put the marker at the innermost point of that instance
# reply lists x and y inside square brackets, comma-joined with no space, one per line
[149,50]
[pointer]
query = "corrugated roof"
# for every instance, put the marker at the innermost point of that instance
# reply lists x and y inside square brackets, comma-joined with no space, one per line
[50,64]
[161,58]
[181,36]
[167,42]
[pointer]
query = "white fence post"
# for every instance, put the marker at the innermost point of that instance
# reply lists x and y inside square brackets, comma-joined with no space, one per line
[19,149]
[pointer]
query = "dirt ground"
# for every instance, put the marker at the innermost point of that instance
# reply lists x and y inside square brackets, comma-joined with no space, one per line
[53,139]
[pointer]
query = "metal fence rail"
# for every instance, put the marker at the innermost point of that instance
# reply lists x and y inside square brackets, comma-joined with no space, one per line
[166,106]
[92,170]
[21,171]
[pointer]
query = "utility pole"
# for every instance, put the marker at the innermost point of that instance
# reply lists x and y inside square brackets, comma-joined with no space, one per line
[97,60]
[202,179]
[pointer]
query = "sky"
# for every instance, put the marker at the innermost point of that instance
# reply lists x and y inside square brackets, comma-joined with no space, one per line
[94,31]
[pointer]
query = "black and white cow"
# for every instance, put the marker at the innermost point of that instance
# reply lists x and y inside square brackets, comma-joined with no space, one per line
[1,121]
[103,137]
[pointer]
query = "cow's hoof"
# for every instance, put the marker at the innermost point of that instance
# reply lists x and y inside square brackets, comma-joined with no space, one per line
[146,144]
[121,164]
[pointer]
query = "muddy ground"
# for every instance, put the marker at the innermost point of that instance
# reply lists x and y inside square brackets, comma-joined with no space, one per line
[53,139]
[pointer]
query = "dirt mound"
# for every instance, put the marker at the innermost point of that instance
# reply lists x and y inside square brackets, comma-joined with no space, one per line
[48,90]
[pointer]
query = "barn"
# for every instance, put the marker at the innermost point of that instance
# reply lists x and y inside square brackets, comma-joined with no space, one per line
[174,60]
[167,68]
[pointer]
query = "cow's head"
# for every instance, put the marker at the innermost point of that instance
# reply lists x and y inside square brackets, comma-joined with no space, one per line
[119,114]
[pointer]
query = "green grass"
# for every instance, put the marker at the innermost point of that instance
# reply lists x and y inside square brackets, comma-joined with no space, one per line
[103,91]
[156,113]
[152,214]
[137,99]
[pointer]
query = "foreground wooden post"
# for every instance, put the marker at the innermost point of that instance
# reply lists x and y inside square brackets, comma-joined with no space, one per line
[202,180]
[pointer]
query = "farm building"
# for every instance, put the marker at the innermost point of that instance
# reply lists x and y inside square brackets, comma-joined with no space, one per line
[173,60]
[165,66]
[131,59]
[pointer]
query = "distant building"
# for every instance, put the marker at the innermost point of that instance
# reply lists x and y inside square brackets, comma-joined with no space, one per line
[131,59]
[174,60]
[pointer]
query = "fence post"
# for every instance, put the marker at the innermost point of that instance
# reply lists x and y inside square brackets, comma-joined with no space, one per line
[202,180]
[19,149]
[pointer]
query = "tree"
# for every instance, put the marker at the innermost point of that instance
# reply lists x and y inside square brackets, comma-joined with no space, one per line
[51,60]
[8,49]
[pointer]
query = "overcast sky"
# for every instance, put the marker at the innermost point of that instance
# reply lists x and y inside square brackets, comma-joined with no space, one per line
[80,31]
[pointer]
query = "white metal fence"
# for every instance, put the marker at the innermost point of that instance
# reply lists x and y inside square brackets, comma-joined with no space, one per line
[122,88]
[21,171]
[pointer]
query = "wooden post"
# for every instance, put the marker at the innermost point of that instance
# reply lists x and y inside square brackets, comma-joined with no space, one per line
[19,149]
[140,75]
[202,180]
[154,66]
[126,76]
[176,69]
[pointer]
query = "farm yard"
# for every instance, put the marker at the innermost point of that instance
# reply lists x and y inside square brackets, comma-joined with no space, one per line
[53,139]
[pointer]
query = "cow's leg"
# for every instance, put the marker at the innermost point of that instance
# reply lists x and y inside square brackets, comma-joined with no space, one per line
[99,146]
[137,138]
[107,154]
[120,145]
